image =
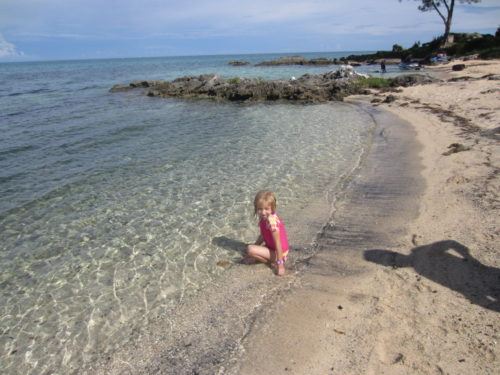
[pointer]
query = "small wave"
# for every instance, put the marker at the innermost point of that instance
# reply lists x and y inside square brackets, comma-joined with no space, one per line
[5,179]
[58,190]
[115,135]
[36,91]
[122,133]
[16,149]
[88,87]
[129,129]
[31,202]
[12,114]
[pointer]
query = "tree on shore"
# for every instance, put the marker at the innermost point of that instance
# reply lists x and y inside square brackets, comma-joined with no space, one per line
[446,13]
[397,48]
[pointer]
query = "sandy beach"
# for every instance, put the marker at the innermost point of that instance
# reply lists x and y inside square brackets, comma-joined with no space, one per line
[407,276]
[404,277]
[152,155]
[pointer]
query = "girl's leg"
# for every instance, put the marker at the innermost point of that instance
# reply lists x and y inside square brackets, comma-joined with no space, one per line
[260,253]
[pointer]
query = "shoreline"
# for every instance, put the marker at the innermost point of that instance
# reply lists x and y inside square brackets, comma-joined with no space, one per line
[362,311]
[374,211]
[204,333]
[203,347]
[424,299]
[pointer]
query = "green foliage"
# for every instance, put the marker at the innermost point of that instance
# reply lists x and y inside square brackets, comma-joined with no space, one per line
[445,12]
[464,44]
[234,80]
[397,48]
[467,45]
[371,56]
[416,45]
[374,82]
[492,53]
[420,51]
[427,5]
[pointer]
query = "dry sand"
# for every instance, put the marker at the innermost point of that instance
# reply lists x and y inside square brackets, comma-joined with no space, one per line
[407,276]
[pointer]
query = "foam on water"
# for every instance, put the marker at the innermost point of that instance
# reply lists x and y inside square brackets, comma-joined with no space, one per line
[109,217]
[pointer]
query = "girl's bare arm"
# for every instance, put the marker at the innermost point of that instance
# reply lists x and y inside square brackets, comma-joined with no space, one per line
[280,271]
[277,242]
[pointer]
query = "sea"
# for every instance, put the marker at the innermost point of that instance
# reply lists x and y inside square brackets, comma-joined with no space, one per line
[113,205]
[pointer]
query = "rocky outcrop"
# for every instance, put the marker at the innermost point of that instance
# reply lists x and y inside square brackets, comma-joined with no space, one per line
[238,63]
[134,85]
[297,60]
[319,61]
[318,88]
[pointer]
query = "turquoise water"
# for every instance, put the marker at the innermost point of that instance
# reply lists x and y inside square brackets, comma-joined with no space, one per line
[109,203]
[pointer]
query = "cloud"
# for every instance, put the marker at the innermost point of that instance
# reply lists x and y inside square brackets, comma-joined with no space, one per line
[130,19]
[8,50]
[44,27]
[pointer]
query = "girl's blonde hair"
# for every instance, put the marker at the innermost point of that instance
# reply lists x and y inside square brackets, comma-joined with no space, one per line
[264,197]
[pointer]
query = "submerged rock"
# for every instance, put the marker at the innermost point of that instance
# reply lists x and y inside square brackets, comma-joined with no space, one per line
[238,63]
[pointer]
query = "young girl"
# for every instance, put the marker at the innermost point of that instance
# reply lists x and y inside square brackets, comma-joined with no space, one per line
[272,243]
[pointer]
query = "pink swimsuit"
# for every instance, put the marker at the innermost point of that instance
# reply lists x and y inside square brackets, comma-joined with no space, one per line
[273,224]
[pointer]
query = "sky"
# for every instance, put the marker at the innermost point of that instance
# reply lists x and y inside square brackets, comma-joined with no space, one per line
[85,29]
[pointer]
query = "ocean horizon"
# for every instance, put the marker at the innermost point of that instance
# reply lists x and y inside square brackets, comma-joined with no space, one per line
[259,54]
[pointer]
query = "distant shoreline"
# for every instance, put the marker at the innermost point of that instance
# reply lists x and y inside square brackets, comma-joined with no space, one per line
[314,53]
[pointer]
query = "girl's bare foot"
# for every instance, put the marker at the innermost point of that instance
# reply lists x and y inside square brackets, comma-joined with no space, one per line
[281,270]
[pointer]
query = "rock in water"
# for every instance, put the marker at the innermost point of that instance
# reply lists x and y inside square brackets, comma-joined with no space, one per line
[309,88]
[238,63]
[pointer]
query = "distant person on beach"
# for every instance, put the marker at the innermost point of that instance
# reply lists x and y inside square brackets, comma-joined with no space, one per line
[382,66]
[272,244]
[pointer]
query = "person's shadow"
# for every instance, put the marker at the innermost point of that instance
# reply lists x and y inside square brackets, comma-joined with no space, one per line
[456,270]
[230,244]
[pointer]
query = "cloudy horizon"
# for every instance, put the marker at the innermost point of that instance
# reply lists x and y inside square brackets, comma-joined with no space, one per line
[81,29]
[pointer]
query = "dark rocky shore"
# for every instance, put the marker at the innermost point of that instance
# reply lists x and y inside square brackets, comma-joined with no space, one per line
[238,63]
[293,60]
[330,86]
[298,60]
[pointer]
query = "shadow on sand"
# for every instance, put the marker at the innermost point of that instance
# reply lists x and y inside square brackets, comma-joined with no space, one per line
[450,264]
[230,244]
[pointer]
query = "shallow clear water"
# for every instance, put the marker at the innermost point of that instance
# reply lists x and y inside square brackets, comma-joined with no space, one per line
[110,203]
